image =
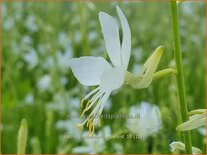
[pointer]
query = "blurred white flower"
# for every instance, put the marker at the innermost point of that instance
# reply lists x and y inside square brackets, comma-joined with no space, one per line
[29,99]
[63,39]
[31,24]
[136,69]
[19,11]
[31,58]
[59,103]
[92,35]
[138,54]
[179,146]
[26,39]
[63,80]
[91,5]
[118,148]
[145,121]
[59,107]
[44,83]
[43,49]
[15,48]
[77,37]
[48,63]
[62,103]
[187,8]
[70,126]
[95,144]
[63,59]
[8,23]
[202,131]
[74,103]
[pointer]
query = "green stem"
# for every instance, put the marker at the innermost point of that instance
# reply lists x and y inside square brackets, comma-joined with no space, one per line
[180,75]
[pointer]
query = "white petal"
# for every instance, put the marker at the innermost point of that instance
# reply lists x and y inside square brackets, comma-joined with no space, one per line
[126,43]
[112,79]
[177,145]
[88,69]
[111,36]
[195,121]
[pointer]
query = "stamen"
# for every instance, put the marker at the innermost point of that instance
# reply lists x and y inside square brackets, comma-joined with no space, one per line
[90,128]
[92,92]
[90,123]
[84,110]
[87,104]
[87,123]
[96,109]
[105,98]
[99,98]
[82,114]
[81,104]
[80,126]
[94,99]
[93,129]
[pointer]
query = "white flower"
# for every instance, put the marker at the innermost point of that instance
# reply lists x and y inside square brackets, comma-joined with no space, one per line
[29,99]
[197,119]
[49,63]
[26,39]
[202,131]
[44,83]
[91,71]
[8,23]
[68,126]
[31,58]
[63,57]
[95,144]
[31,24]
[146,119]
[179,146]
[63,39]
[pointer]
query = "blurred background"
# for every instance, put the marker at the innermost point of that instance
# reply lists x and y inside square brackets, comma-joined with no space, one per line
[40,38]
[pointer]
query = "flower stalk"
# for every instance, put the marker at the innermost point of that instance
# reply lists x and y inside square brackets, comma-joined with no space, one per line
[180,74]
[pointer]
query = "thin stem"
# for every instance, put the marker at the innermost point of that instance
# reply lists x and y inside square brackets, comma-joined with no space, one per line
[180,75]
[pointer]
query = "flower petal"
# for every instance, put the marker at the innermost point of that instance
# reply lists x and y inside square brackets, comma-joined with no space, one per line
[144,79]
[111,36]
[195,121]
[112,79]
[150,67]
[88,69]
[126,43]
[179,146]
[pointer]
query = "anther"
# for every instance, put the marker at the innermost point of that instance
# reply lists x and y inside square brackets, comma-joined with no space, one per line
[81,104]
[87,104]
[80,126]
